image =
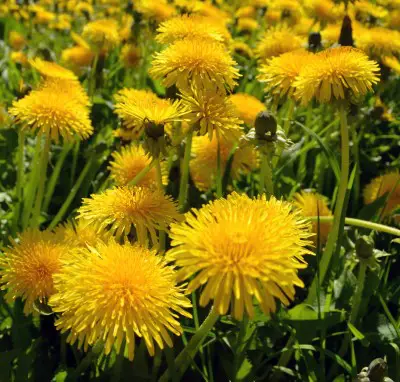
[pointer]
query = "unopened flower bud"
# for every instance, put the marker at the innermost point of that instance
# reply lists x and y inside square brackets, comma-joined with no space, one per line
[265,125]
[154,130]
[314,41]
[377,370]
[364,247]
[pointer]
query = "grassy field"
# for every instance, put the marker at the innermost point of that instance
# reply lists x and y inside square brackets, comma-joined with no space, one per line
[199,190]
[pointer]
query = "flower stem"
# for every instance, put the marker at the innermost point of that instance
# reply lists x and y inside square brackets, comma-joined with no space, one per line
[160,186]
[356,301]
[339,207]
[183,187]
[359,223]
[71,195]
[44,160]
[290,110]
[186,356]
[142,174]
[219,170]
[92,79]
[55,175]
[20,178]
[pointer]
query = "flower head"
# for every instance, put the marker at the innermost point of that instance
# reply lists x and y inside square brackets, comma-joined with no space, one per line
[124,208]
[247,24]
[212,111]
[28,266]
[277,41]
[130,55]
[279,73]
[17,41]
[19,58]
[102,34]
[325,10]
[385,184]
[116,292]
[239,249]
[392,63]
[52,70]
[313,204]
[247,106]
[242,49]
[377,42]
[191,26]
[128,163]
[77,56]
[156,10]
[336,72]
[204,164]
[57,108]
[203,62]
[80,234]
[141,108]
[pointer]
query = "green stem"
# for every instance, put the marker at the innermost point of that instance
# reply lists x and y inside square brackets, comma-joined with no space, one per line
[186,356]
[160,186]
[356,156]
[20,178]
[269,184]
[74,162]
[355,306]
[92,79]
[339,207]
[359,223]
[183,187]
[32,185]
[286,125]
[44,160]
[55,175]
[219,169]
[142,174]
[71,196]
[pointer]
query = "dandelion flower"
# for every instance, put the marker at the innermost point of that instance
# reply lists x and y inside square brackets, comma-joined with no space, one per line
[279,73]
[289,11]
[156,10]
[314,204]
[80,234]
[52,70]
[115,293]
[239,249]
[392,63]
[191,26]
[55,110]
[365,11]
[28,266]
[246,11]
[102,34]
[242,49]
[19,58]
[77,56]
[335,72]
[138,108]
[203,166]
[198,61]
[377,42]
[277,41]
[247,107]
[128,163]
[124,208]
[325,11]
[384,184]
[16,40]
[130,55]
[247,25]
[212,110]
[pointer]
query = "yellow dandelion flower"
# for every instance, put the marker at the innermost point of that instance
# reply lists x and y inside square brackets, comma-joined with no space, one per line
[19,58]
[203,166]
[28,266]
[126,27]
[16,40]
[77,56]
[377,42]
[246,11]
[388,183]
[43,17]
[241,48]
[279,73]
[129,162]
[335,72]
[289,11]
[306,26]
[102,34]
[392,63]
[209,10]
[198,61]
[156,10]
[80,234]
[325,10]
[79,40]
[52,70]
[124,208]
[130,55]
[247,25]
[394,19]
[212,111]
[247,107]
[138,108]
[116,292]
[277,41]
[81,8]
[191,26]
[241,249]
[314,204]
[55,110]
[364,10]
[61,23]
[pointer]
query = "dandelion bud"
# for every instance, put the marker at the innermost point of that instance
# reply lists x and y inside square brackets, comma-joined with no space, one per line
[364,247]
[314,41]
[377,370]
[265,125]
[154,130]
[346,33]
